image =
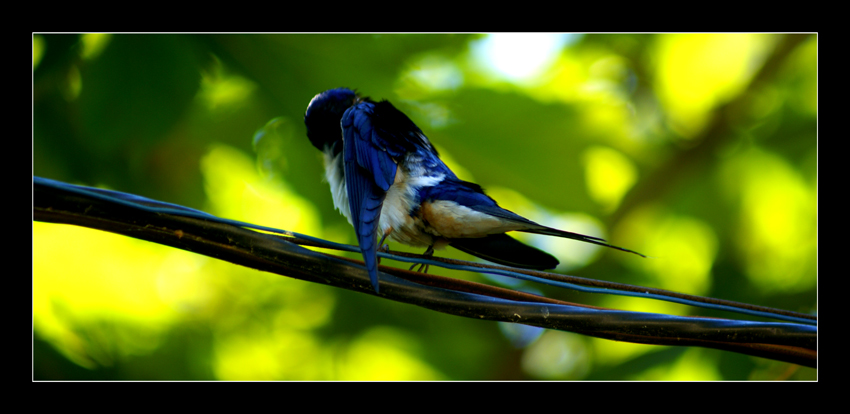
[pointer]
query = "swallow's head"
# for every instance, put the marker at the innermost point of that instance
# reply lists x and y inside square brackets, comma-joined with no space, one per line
[324,115]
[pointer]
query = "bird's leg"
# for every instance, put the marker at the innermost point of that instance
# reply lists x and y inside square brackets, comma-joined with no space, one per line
[429,252]
[384,247]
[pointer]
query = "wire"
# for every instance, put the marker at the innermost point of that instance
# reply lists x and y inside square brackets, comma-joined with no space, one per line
[275,251]
[160,207]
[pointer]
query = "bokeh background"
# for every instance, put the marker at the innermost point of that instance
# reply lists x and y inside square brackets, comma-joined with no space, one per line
[699,150]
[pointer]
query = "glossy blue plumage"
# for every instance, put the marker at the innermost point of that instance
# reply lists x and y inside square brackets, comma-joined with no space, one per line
[388,180]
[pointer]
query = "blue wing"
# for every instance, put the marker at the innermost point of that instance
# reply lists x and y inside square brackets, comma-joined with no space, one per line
[370,170]
[471,195]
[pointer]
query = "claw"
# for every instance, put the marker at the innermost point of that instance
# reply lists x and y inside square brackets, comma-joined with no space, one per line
[429,252]
[421,266]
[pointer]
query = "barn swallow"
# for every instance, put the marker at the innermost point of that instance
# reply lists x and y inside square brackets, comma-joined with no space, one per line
[386,178]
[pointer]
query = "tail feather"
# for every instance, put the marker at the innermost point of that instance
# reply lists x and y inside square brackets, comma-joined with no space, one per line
[505,250]
[575,236]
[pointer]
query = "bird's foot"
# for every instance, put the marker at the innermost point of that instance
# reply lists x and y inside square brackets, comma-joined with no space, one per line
[385,248]
[423,268]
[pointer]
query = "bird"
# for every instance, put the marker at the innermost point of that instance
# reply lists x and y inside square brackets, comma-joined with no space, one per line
[387,179]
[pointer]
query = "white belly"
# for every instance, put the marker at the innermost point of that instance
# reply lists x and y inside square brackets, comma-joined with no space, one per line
[399,202]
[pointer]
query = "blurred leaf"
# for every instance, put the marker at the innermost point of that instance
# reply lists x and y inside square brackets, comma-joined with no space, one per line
[139,113]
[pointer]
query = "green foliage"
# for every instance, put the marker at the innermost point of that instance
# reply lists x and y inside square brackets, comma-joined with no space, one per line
[714,161]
